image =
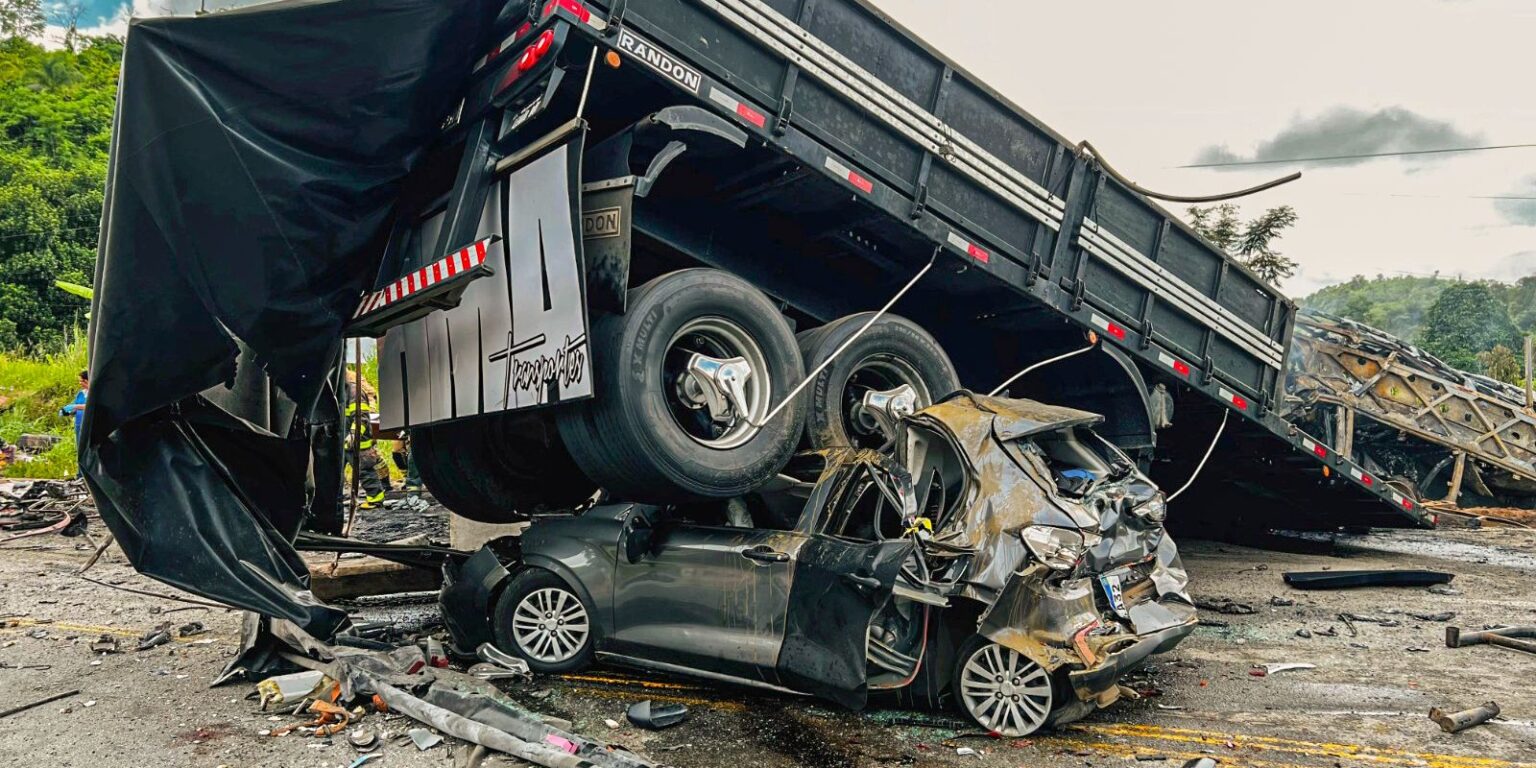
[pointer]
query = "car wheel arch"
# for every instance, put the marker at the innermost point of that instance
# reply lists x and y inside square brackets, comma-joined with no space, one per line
[599,612]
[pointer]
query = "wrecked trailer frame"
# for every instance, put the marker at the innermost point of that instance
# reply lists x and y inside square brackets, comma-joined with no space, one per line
[1416,421]
[1007,524]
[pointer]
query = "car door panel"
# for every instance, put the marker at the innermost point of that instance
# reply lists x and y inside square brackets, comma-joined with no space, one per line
[838,587]
[697,600]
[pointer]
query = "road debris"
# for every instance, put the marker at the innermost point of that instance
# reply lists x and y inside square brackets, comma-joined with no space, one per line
[363,739]
[650,715]
[1224,605]
[1276,668]
[1444,589]
[289,689]
[1516,638]
[1356,579]
[1456,722]
[1304,633]
[424,739]
[46,700]
[105,644]
[1440,617]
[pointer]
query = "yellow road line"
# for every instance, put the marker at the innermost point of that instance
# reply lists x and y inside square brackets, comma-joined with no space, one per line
[643,683]
[692,701]
[1380,755]
[1130,752]
[14,625]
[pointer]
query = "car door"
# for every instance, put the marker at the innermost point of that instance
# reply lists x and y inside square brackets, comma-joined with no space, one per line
[707,598]
[855,523]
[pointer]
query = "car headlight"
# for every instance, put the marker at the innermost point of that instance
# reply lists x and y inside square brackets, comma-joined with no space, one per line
[1059,548]
[1154,509]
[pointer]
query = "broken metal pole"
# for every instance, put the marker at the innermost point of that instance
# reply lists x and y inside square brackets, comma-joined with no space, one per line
[1517,638]
[39,703]
[1454,722]
[1456,476]
[1530,379]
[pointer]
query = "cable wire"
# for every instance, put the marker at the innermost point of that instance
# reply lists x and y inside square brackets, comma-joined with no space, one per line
[1205,458]
[1086,146]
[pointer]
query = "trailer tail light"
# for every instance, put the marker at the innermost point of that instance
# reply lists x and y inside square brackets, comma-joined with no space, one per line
[529,58]
[576,8]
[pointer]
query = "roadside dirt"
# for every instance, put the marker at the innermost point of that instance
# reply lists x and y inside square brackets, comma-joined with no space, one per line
[1363,705]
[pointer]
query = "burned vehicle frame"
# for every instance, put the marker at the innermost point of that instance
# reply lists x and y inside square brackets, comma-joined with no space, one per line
[997,555]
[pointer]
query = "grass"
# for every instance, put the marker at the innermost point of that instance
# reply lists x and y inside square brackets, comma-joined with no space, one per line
[32,390]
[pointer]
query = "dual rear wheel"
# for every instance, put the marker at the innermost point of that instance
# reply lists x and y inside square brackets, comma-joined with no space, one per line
[684,382]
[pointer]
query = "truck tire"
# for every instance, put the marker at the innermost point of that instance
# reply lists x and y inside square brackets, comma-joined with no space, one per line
[646,435]
[498,468]
[893,352]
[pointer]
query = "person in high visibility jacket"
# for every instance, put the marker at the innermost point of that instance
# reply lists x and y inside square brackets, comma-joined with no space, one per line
[359,405]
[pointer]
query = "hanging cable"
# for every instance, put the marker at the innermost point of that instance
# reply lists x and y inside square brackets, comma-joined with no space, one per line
[1205,458]
[1087,147]
[1093,343]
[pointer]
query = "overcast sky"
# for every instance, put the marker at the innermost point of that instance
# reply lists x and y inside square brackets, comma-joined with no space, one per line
[1160,85]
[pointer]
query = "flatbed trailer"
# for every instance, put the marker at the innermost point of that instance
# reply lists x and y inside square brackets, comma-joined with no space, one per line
[854,154]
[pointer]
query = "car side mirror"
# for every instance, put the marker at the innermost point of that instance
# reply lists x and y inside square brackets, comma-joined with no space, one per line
[638,537]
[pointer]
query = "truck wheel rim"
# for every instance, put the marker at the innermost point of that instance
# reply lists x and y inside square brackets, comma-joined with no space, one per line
[876,373]
[550,625]
[1004,691]
[722,339]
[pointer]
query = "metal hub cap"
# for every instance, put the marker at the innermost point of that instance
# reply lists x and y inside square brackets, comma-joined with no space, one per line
[550,625]
[877,373]
[715,381]
[1005,691]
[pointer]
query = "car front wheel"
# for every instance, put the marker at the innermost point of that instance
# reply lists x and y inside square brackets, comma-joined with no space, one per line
[1001,689]
[542,620]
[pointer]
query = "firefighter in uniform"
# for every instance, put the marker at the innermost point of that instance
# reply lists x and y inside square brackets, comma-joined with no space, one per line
[360,438]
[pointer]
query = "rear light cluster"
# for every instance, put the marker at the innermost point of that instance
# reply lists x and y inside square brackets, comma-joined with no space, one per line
[529,58]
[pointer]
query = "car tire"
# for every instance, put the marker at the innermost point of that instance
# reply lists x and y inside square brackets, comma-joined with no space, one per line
[1002,690]
[641,438]
[538,597]
[894,351]
[499,468]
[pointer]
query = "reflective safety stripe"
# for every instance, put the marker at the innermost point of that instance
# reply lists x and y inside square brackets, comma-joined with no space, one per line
[465,258]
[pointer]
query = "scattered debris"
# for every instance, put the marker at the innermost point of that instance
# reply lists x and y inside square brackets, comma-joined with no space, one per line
[1281,602]
[966,751]
[1304,633]
[612,724]
[105,644]
[1224,605]
[289,689]
[363,739]
[1201,762]
[648,714]
[1444,589]
[1441,616]
[1517,638]
[1455,722]
[47,700]
[191,629]
[1278,667]
[154,638]
[363,759]
[1354,579]
[424,739]
[1368,619]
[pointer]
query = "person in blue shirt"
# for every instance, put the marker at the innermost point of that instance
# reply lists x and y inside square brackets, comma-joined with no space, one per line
[76,406]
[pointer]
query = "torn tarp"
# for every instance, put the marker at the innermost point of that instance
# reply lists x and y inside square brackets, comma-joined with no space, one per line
[256,158]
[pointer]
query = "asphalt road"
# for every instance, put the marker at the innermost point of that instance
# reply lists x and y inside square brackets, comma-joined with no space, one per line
[1364,704]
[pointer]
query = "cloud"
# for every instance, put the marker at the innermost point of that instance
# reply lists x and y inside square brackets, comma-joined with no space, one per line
[1347,131]
[1521,212]
[1513,267]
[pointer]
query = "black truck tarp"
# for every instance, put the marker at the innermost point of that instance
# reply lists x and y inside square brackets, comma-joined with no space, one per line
[255,163]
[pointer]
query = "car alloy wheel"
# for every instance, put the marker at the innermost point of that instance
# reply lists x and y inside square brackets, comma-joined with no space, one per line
[1005,691]
[550,625]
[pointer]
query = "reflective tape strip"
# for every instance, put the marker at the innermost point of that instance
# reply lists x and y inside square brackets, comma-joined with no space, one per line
[451,265]
[849,175]
[1179,366]
[969,248]
[1238,401]
[1361,477]
[1113,329]
[1320,451]
[1402,501]
[842,75]
[1131,263]
[737,107]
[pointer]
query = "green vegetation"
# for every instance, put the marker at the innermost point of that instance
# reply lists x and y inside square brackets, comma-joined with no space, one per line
[55,125]
[33,387]
[1251,242]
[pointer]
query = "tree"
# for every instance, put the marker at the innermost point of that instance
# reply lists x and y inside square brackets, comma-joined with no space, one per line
[1465,320]
[1252,243]
[1500,363]
[22,18]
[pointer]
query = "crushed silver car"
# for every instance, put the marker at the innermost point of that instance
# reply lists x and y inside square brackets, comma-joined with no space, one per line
[998,554]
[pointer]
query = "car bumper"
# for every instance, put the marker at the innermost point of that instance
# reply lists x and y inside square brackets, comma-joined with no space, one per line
[1104,677]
